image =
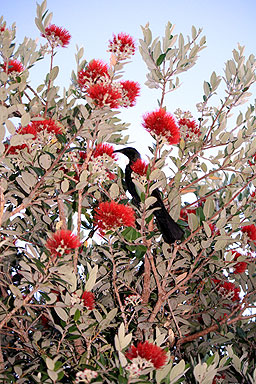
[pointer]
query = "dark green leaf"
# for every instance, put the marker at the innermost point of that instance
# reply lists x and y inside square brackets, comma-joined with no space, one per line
[72,329]
[57,365]
[160,59]
[130,234]
[77,315]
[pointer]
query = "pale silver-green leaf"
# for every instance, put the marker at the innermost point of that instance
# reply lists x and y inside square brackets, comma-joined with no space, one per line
[25,119]
[114,191]
[177,370]
[61,313]
[92,279]
[45,161]
[64,185]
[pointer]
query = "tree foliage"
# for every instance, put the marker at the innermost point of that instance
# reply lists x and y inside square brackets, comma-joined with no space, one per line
[76,296]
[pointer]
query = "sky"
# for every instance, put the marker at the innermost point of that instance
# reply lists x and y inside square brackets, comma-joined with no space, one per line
[92,24]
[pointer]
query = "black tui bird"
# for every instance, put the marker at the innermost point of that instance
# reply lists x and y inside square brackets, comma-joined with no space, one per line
[169,229]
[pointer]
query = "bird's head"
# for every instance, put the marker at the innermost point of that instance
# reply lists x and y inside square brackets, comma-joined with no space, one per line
[130,152]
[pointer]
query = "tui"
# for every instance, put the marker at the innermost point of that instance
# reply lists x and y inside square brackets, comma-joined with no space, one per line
[169,229]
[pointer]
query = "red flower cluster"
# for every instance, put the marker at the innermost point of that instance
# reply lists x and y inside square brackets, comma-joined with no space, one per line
[62,242]
[148,351]
[102,149]
[57,36]
[95,78]
[122,46]
[162,123]
[218,379]
[95,71]
[241,266]
[130,90]
[105,95]
[111,215]
[227,289]
[214,229]
[50,126]
[88,299]
[189,128]
[29,129]
[14,149]
[140,167]
[13,66]
[250,230]
[185,212]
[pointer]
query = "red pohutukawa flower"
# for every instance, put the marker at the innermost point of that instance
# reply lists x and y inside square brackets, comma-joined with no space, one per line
[184,213]
[122,46]
[62,243]
[13,66]
[104,95]
[50,126]
[189,129]
[102,149]
[130,90]
[148,351]
[57,36]
[95,71]
[250,230]
[111,215]
[162,123]
[28,129]
[14,149]
[241,266]
[214,229]
[88,299]
[227,289]
[83,155]
[140,167]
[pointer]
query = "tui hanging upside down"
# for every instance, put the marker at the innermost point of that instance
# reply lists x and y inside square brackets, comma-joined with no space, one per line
[169,229]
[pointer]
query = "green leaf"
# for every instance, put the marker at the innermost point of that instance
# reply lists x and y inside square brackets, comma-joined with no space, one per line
[72,329]
[240,332]
[77,315]
[140,251]
[130,234]
[58,365]
[61,138]
[210,360]
[122,380]
[160,59]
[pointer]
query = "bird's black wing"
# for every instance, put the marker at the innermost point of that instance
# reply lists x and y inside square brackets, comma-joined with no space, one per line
[170,230]
[130,185]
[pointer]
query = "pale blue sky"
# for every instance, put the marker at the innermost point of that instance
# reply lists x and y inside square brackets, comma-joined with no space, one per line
[92,23]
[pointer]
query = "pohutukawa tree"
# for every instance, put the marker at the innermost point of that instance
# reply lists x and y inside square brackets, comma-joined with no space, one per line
[90,289]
